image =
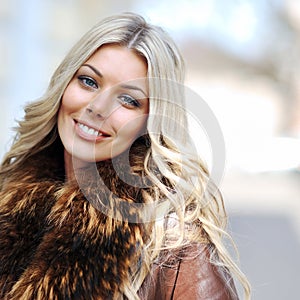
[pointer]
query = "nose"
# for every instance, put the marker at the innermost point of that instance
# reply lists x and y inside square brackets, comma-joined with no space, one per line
[101,106]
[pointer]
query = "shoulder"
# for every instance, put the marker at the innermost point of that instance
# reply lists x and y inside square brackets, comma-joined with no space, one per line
[188,273]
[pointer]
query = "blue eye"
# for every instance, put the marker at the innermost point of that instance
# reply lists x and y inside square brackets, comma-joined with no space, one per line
[88,82]
[129,101]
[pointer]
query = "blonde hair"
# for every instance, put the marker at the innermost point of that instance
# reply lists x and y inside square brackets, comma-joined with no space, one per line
[192,199]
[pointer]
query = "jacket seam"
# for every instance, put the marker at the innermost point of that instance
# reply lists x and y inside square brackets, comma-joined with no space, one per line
[175,282]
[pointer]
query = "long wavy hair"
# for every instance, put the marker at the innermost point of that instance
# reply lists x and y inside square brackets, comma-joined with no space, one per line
[193,199]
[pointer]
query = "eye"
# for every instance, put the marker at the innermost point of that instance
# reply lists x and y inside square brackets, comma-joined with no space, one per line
[88,82]
[129,101]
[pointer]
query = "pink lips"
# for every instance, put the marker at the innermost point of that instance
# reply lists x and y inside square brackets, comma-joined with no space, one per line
[89,132]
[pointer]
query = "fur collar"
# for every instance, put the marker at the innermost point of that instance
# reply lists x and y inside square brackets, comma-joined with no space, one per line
[55,244]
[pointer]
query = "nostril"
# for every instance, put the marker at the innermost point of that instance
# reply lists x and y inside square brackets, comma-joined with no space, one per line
[90,111]
[94,112]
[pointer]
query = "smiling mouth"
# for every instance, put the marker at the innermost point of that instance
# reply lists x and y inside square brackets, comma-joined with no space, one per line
[91,131]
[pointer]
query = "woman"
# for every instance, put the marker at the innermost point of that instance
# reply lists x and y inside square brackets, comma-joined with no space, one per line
[101,194]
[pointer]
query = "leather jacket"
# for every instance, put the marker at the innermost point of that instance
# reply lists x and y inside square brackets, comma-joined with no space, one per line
[189,277]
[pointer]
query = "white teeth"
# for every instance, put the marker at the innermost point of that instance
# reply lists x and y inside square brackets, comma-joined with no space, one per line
[89,130]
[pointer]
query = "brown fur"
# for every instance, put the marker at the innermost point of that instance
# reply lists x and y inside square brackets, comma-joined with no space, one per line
[54,244]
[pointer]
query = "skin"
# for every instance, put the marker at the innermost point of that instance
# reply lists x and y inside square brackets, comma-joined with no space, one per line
[104,108]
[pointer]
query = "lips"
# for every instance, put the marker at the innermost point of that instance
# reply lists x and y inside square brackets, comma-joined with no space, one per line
[89,131]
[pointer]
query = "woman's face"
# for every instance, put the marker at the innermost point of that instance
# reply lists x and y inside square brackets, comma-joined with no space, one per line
[104,108]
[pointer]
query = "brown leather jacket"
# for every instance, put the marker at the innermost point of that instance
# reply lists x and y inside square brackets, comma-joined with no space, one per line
[189,277]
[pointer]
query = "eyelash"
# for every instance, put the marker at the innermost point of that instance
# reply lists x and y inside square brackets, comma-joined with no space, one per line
[129,101]
[124,99]
[85,79]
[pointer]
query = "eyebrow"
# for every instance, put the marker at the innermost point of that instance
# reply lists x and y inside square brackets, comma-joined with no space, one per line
[133,87]
[93,69]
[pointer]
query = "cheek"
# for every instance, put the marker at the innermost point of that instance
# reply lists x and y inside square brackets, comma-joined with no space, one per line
[67,106]
[66,101]
[73,98]
[63,113]
[130,128]
[62,122]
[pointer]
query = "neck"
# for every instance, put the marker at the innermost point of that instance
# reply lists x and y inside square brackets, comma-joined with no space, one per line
[71,165]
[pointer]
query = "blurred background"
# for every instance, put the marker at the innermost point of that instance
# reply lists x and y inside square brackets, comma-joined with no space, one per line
[242,58]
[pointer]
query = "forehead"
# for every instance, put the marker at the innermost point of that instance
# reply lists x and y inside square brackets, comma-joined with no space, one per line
[120,61]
